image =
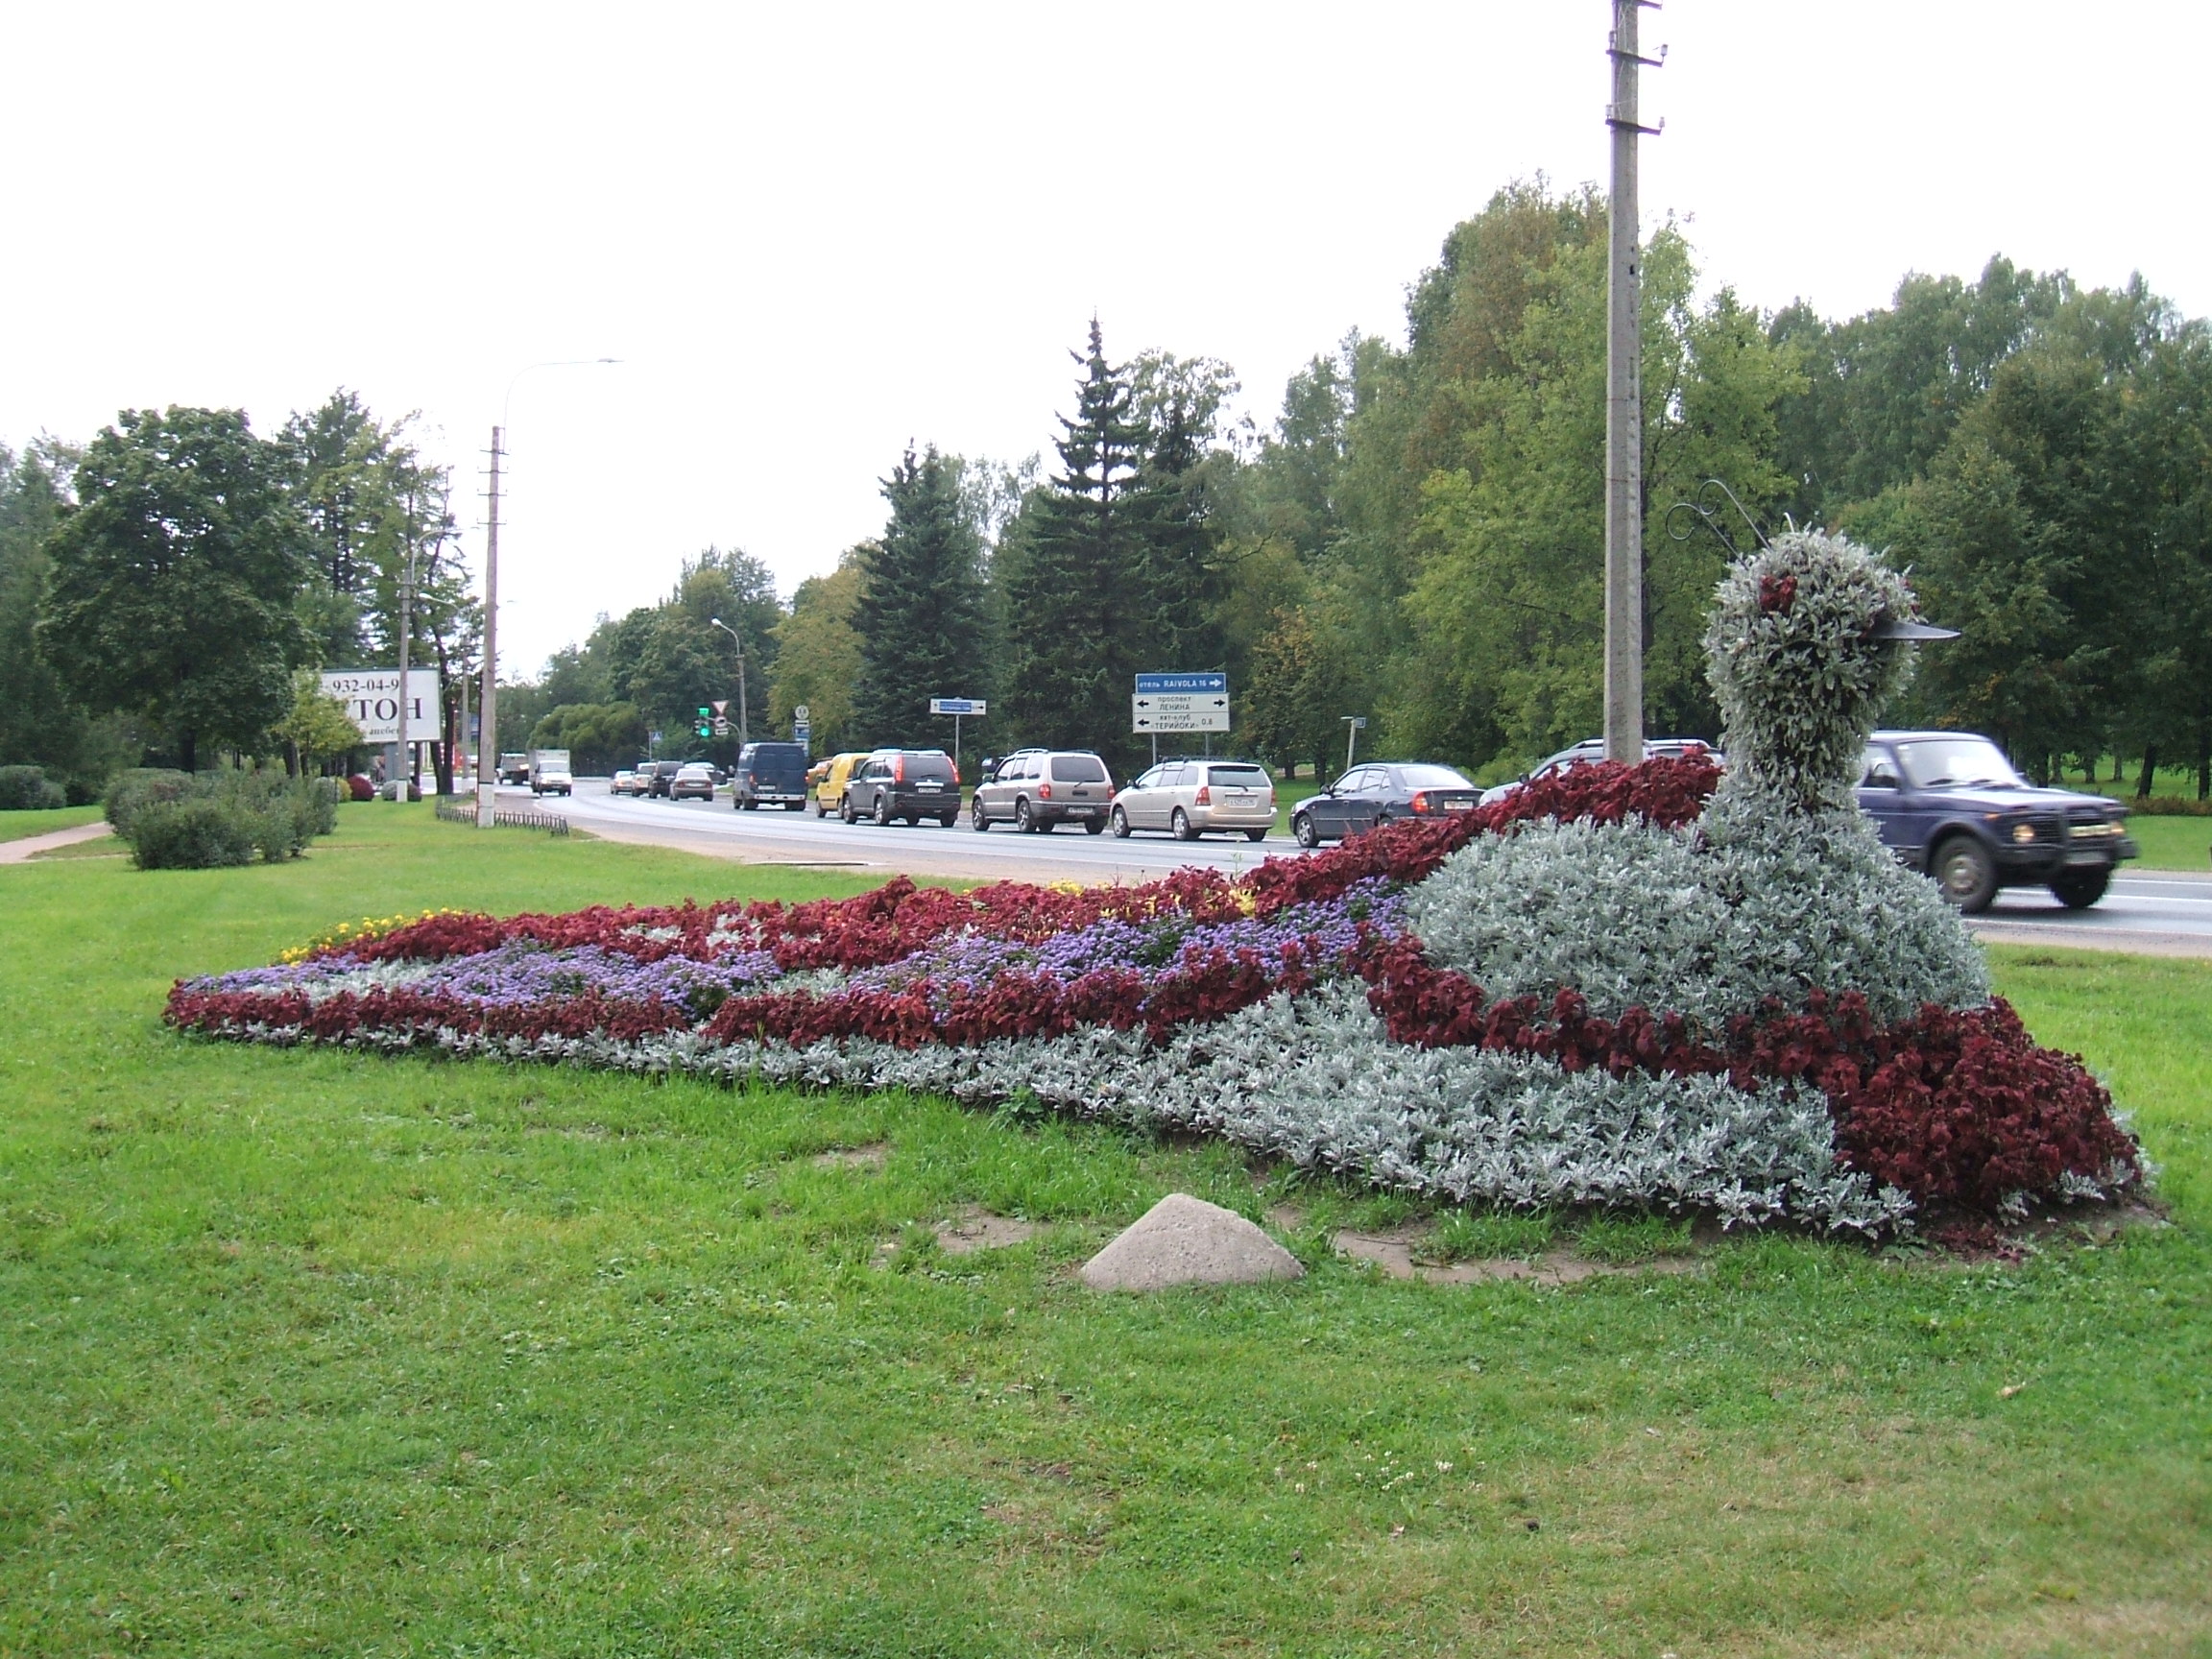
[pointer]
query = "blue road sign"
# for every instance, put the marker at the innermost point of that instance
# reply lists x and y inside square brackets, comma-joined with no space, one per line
[957,705]
[1154,684]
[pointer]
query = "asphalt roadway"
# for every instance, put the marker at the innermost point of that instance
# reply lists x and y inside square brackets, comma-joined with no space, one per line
[2153,911]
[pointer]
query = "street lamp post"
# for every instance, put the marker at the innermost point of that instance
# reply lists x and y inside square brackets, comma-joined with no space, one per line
[487,699]
[744,736]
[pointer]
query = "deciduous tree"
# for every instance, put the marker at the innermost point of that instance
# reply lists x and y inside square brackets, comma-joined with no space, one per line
[172,582]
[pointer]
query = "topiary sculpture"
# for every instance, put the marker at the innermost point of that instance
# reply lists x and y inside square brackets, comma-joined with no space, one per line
[1810,639]
[1783,889]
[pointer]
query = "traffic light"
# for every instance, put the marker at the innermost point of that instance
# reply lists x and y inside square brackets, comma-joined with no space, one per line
[704,726]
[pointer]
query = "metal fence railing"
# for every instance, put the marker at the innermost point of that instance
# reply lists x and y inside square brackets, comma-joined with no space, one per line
[504,819]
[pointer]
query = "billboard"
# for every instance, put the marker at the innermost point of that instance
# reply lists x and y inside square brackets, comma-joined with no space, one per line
[372,698]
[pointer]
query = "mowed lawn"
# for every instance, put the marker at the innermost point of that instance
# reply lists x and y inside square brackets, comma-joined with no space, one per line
[310,1351]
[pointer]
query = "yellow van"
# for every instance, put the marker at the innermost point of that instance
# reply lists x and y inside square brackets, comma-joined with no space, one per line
[829,777]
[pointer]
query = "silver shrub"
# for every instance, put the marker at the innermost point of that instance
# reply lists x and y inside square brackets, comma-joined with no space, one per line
[1631,916]
[1801,686]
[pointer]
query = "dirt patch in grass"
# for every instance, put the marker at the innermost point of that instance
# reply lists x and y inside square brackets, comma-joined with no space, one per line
[976,1229]
[870,1158]
[1403,1253]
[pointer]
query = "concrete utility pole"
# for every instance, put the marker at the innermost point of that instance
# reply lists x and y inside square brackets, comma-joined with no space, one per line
[487,699]
[1625,405]
[406,627]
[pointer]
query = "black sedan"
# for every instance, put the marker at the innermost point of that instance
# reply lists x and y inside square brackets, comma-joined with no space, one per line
[1375,792]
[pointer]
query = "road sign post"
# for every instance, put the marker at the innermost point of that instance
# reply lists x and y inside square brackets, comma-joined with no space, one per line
[1179,703]
[959,707]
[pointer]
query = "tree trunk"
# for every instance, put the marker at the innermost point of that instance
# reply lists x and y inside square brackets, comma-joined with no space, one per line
[187,750]
[2149,769]
[442,751]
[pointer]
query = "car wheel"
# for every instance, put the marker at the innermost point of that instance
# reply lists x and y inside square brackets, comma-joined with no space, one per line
[1022,819]
[2079,889]
[977,820]
[1121,824]
[845,809]
[1967,874]
[794,806]
[1302,826]
[1178,822]
[1254,834]
[1094,825]
[884,808]
[949,819]
[820,810]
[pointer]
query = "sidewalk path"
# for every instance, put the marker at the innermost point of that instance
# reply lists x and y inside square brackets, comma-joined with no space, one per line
[16,851]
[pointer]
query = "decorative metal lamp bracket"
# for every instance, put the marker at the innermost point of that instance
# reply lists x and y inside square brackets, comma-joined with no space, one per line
[1703,511]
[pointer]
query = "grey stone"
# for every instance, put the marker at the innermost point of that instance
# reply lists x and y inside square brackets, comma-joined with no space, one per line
[1185,1240]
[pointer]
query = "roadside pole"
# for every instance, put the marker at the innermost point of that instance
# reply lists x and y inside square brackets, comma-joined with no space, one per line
[1624,403]
[487,699]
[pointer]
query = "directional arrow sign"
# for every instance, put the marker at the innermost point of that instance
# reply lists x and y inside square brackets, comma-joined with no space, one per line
[960,706]
[1178,713]
[1155,683]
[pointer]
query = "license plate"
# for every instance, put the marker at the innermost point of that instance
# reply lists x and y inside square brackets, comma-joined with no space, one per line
[1081,811]
[2082,860]
[926,784]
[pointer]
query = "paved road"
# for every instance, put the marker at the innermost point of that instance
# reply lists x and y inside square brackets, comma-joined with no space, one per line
[2157,911]
[2151,911]
[1003,853]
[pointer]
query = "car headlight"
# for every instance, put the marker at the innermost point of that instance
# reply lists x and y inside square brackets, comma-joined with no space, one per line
[2023,834]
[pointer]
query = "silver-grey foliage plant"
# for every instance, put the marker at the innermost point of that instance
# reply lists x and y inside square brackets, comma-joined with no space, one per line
[1799,668]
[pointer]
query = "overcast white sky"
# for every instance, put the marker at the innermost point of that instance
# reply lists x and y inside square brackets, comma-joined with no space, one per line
[812,232]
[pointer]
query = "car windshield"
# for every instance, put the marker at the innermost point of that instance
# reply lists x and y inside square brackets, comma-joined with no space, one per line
[1957,763]
[1432,778]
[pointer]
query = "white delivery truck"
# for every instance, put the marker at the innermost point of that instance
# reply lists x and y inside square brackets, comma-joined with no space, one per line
[549,772]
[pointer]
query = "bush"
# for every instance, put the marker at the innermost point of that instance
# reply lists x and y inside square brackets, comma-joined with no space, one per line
[174,821]
[26,789]
[2168,807]
[194,834]
[139,788]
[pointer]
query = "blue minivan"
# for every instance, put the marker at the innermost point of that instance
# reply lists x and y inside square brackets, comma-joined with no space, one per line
[770,775]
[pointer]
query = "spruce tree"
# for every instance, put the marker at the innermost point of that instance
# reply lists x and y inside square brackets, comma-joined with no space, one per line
[920,615]
[1077,600]
[1179,628]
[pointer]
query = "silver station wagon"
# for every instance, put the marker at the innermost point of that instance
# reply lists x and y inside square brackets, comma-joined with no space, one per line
[1193,798]
[1034,789]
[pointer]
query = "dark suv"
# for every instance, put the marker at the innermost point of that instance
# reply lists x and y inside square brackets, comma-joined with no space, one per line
[903,783]
[770,775]
[659,777]
[1949,804]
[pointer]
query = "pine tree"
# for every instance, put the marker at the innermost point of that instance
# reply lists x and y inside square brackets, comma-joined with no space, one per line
[1179,628]
[1076,600]
[919,616]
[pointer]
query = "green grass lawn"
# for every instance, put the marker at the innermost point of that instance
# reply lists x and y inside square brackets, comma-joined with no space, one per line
[17,826]
[314,1352]
[2172,844]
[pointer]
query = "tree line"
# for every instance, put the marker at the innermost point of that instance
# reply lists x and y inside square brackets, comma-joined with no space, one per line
[1415,538]
[1418,537]
[169,589]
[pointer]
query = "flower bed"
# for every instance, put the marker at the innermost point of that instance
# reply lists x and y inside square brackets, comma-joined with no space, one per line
[1289,1009]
